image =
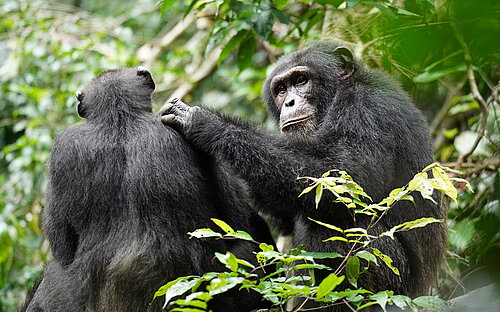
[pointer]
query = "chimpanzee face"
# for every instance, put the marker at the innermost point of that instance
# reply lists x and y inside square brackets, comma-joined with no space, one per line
[292,93]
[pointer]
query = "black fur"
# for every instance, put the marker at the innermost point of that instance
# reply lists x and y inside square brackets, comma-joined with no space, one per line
[366,125]
[123,192]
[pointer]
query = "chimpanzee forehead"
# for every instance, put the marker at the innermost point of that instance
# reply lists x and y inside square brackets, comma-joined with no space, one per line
[285,75]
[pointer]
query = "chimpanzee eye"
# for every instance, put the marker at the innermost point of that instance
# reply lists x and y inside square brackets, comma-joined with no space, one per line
[301,80]
[281,89]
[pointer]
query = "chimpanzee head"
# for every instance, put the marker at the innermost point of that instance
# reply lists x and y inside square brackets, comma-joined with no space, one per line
[116,91]
[303,85]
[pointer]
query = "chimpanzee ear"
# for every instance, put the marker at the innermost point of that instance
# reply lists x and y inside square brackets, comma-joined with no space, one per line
[345,55]
[79,106]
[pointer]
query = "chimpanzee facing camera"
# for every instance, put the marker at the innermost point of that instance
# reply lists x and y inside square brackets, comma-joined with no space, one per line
[333,114]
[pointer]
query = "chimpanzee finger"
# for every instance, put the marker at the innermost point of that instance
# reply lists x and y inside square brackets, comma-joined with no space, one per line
[181,106]
[172,120]
[166,109]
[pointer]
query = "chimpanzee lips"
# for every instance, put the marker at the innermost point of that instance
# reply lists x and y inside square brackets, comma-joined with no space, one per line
[293,122]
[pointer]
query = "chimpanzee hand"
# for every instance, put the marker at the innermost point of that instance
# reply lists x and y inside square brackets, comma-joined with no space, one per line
[177,114]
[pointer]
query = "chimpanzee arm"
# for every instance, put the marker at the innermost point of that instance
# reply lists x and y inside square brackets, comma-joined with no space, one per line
[61,201]
[268,163]
[62,237]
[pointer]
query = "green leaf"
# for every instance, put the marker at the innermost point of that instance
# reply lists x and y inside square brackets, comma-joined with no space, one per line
[401,301]
[223,284]
[266,247]
[280,16]
[329,284]
[315,20]
[322,255]
[432,303]
[311,266]
[231,45]
[319,194]
[419,223]
[435,64]
[410,225]
[246,53]
[193,303]
[429,167]
[352,270]
[166,5]
[176,288]
[461,233]
[262,20]
[229,260]
[386,259]
[223,225]
[280,4]
[336,238]
[404,12]
[242,235]
[330,226]
[203,296]
[382,298]
[186,309]
[368,256]
[444,181]
[245,263]
[397,194]
[426,77]
[308,189]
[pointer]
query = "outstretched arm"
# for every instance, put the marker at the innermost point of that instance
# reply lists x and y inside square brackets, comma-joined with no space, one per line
[268,163]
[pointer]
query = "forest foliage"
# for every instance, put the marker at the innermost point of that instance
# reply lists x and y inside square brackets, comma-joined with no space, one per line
[445,53]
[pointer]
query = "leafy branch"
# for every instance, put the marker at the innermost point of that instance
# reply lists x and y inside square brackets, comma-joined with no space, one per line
[293,279]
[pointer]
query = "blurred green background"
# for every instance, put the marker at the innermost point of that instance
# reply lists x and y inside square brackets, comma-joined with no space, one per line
[445,53]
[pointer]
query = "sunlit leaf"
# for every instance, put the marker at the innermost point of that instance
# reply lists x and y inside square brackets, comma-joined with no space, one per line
[199,233]
[410,225]
[330,226]
[364,254]
[266,247]
[328,284]
[319,194]
[444,181]
[223,225]
[336,238]
[221,285]
[386,259]
[322,255]
[176,288]
[308,189]
[243,235]
[229,260]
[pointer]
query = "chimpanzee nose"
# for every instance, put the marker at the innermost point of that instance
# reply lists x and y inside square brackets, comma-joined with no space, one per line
[290,103]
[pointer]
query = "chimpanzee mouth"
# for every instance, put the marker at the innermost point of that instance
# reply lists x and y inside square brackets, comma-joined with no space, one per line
[290,124]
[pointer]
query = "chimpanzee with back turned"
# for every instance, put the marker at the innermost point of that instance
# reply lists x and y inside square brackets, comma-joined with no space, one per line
[123,192]
[333,114]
